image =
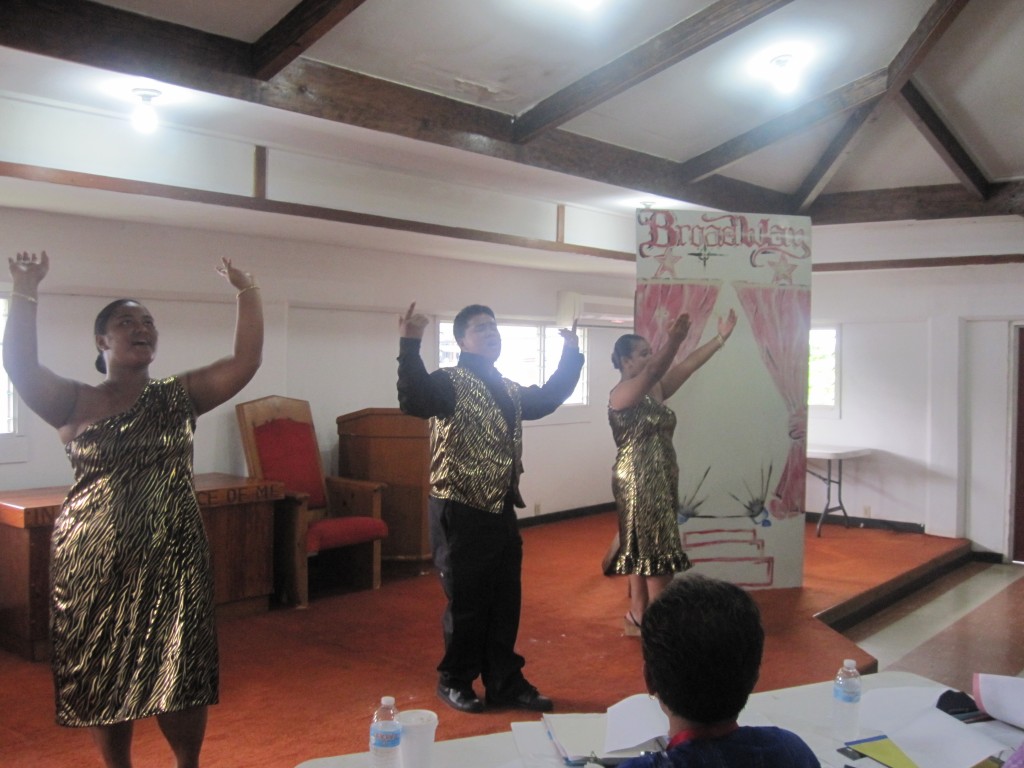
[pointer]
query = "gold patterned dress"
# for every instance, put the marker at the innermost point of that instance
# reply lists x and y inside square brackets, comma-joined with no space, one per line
[131,615]
[645,482]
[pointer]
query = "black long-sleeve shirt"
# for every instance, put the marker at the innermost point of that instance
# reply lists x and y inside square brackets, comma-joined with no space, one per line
[432,394]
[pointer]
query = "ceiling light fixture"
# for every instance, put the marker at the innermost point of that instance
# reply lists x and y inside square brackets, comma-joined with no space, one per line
[785,73]
[144,118]
[782,65]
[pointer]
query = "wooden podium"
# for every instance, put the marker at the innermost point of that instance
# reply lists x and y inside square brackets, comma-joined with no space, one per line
[386,445]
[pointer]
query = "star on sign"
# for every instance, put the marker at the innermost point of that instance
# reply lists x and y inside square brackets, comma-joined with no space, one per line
[783,271]
[667,264]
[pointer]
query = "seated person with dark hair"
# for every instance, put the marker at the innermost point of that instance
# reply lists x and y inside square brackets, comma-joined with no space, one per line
[702,642]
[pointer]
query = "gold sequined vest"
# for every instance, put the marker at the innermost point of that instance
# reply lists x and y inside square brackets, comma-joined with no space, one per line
[475,457]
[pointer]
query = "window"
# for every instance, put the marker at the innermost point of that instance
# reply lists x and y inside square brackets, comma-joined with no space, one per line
[823,372]
[529,355]
[8,423]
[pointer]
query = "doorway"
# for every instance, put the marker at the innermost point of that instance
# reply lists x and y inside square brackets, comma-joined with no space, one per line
[1017,545]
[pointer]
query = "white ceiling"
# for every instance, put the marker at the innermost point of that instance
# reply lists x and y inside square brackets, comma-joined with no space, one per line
[509,55]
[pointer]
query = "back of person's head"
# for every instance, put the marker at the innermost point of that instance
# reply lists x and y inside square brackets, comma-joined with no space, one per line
[465,315]
[702,643]
[623,348]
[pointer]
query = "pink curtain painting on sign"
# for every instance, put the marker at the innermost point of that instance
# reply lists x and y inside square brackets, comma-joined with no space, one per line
[780,319]
[658,304]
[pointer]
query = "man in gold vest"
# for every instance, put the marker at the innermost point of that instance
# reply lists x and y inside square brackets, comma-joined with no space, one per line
[476,450]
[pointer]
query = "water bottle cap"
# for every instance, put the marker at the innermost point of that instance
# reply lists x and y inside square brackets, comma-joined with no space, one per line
[387,701]
[849,663]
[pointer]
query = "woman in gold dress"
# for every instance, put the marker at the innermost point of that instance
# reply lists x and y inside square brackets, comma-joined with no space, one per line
[645,479]
[131,610]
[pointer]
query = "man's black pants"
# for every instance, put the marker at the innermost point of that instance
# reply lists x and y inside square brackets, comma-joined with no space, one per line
[479,556]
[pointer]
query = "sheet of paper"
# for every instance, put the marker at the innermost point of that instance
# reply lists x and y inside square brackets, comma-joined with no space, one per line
[576,736]
[937,740]
[634,721]
[535,747]
[884,750]
[1007,735]
[887,709]
[1001,697]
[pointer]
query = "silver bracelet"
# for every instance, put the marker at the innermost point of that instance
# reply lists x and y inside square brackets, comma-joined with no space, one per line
[25,296]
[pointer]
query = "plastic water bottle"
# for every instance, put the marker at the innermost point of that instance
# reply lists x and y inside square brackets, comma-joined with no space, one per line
[385,735]
[846,690]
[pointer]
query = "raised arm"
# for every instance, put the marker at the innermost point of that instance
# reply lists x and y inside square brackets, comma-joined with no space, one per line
[628,392]
[218,382]
[51,396]
[538,402]
[420,393]
[681,371]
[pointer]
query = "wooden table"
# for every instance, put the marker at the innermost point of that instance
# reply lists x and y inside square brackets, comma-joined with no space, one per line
[238,514]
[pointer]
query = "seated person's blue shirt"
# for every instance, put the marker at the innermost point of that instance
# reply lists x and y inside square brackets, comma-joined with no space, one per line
[746,747]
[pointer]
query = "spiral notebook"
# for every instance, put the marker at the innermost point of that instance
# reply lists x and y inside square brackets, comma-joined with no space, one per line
[634,725]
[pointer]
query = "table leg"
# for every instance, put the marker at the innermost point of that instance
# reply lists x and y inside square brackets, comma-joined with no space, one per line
[838,483]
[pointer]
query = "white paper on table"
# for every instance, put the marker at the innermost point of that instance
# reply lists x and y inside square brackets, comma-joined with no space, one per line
[534,745]
[1001,697]
[888,709]
[633,721]
[1007,735]
[937,740]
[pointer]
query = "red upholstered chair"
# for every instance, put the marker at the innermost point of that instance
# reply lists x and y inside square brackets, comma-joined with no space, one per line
[318,513]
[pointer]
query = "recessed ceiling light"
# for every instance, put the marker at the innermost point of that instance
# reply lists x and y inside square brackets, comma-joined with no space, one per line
[782,65]
[144,118]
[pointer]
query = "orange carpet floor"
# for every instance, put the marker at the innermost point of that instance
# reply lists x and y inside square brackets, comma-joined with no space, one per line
[302,684]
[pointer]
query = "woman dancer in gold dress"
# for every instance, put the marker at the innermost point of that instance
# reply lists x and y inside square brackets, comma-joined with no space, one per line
[645,480]
[131,610]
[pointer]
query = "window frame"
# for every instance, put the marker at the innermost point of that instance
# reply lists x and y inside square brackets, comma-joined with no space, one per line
[14,444]
[542,327]
[824,411]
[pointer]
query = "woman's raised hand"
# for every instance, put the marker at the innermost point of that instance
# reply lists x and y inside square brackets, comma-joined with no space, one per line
[28,269]
[727,324]
[239,279]
[679,327]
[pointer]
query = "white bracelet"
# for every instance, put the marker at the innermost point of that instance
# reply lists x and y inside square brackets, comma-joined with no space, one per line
[720,339]
[252,287]
[25,296]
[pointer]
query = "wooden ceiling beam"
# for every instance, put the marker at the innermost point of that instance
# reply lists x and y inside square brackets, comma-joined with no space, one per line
[694,34]
[933,25]
[101,36]
[937,133]
[305,24]
[945,201]
[850,96]
[835,155]
[929,30]
[307,87]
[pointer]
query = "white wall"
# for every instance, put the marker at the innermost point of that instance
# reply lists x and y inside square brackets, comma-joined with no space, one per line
[331,334]
[926,377]
[927,382]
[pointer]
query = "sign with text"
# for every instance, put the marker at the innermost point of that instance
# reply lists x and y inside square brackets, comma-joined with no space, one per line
[742,415]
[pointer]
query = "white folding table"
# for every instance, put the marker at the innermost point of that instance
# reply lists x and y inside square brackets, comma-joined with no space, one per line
[838,455]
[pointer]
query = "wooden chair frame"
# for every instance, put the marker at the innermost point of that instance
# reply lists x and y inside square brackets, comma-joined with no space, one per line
[293,516]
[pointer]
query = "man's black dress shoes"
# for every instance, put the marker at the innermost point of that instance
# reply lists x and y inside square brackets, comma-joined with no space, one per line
[462,700]
[528,698]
